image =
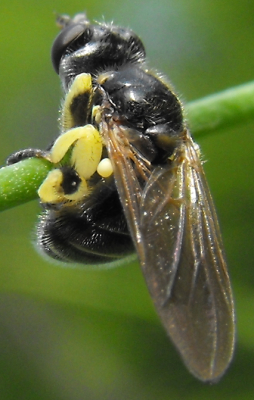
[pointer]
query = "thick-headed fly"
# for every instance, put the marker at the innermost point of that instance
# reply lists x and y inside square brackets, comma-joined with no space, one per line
[127,176]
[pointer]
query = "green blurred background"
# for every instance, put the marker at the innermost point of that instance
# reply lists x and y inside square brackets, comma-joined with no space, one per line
[76,334]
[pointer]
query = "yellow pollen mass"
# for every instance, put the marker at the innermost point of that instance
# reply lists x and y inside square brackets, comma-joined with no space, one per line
[81,84]
[49,191]
[105,168]
[86,152]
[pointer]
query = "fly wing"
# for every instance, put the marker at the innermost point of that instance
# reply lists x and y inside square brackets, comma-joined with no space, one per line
[184,265]
[175,229]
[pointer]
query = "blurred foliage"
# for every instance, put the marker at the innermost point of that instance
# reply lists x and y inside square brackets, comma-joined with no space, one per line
[76,334]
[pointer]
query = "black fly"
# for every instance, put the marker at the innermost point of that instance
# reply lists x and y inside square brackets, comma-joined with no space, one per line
[127,176]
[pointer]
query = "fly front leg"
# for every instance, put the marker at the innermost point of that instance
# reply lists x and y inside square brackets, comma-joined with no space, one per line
[27,153]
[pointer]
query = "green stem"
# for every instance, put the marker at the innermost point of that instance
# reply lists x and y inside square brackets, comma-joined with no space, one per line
[221,110]
[19,182]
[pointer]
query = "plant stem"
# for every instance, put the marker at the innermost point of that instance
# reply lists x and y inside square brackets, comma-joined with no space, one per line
[19,182]
[221,110]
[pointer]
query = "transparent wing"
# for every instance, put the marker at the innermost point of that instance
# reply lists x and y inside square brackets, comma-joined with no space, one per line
[175,229]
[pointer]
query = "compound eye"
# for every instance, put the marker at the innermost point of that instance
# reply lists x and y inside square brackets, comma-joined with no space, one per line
[63,40]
